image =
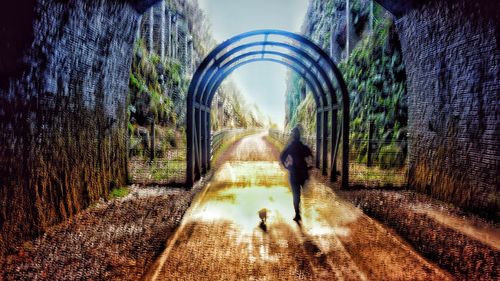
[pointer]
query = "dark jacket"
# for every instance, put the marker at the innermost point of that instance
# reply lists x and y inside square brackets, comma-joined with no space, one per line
[299,170]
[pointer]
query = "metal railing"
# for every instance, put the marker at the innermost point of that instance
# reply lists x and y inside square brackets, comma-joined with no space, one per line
[169,169]
[220,137]
[169,165]
[225,136]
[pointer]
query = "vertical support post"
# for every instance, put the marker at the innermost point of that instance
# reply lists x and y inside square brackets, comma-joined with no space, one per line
[348,27]
[209,139]
[369,152]
[345,144]
[151,28]
[333,153]
[169,33]
[318,137]
[190,143]
[162,31]
[138,33]
[332,39]
[191,56]
[185,58]
[197,170]
[203,131]
[153,136]
[324,167]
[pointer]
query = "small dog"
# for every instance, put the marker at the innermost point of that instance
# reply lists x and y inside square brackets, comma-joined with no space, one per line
[263,215]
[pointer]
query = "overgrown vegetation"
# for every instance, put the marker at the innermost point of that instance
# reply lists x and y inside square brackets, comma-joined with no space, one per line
[376,80]
[156,90]
[158,87]
[119,192]
[375,77]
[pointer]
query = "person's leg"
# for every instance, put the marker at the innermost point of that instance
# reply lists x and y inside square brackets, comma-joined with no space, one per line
[296,198]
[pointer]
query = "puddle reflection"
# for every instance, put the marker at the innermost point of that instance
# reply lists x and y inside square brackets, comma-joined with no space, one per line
[241,190]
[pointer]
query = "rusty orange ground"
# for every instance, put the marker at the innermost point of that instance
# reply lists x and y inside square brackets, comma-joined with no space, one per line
[220,237]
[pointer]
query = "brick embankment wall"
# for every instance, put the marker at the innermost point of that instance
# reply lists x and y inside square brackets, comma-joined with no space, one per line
[452,56]
[64,72]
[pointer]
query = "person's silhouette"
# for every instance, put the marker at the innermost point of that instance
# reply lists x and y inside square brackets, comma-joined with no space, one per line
[294,157]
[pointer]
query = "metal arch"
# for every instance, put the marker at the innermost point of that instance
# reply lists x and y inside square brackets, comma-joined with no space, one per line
[239,37]
[266,32]
[322,114]
[220,74]
[195,113]
[226,73]
[199,95]
[322,118]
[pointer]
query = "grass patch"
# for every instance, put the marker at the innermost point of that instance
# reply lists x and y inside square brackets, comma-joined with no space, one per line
[167,170]
[119,192]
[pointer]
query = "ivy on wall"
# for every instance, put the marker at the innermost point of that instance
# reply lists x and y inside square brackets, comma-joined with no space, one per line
[374,73]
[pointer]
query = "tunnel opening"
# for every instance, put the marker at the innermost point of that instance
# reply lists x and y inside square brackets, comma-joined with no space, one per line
[302,55]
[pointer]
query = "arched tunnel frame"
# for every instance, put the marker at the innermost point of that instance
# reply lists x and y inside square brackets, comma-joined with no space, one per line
[306,58]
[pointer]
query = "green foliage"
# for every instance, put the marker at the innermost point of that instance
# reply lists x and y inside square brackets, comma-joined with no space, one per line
[236,113]
[293,98]
[148,88]
[158,87]
[376,81]
[306,115]
[119,192]
[391,156]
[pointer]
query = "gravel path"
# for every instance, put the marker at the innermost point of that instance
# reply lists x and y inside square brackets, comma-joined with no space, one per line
[221,237]
[465,245]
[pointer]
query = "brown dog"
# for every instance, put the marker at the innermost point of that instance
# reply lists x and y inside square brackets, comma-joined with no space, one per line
[263,215]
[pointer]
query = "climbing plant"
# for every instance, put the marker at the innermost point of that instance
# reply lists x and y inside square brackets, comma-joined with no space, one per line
[376,80]
[374,72]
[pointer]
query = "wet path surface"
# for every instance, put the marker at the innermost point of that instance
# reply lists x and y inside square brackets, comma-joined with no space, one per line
[221,237]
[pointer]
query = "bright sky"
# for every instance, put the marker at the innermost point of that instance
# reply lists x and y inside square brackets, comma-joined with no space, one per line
[262,83]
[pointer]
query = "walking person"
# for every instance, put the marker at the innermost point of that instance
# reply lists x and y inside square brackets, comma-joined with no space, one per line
[295,159]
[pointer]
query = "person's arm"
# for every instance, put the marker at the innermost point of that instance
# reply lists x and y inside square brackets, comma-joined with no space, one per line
[308,151]
[309,158]
[283,156]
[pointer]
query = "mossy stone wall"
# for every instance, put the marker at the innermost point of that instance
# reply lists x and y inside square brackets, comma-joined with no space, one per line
[63,94]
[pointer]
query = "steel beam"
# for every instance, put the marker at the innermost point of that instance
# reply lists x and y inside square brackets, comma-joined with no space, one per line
[209,140]
[324,142]
[333,151]
[190,145]
[318,139]
[315,84]
[203,132]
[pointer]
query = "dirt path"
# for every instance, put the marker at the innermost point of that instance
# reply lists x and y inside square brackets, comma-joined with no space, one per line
[220,237]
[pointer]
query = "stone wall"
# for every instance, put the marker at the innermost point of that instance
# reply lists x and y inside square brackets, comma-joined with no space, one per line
[63,91]
[325,25]
[452,57]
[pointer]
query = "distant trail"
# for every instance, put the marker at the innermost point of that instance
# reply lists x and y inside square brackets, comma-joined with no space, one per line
[220,237]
